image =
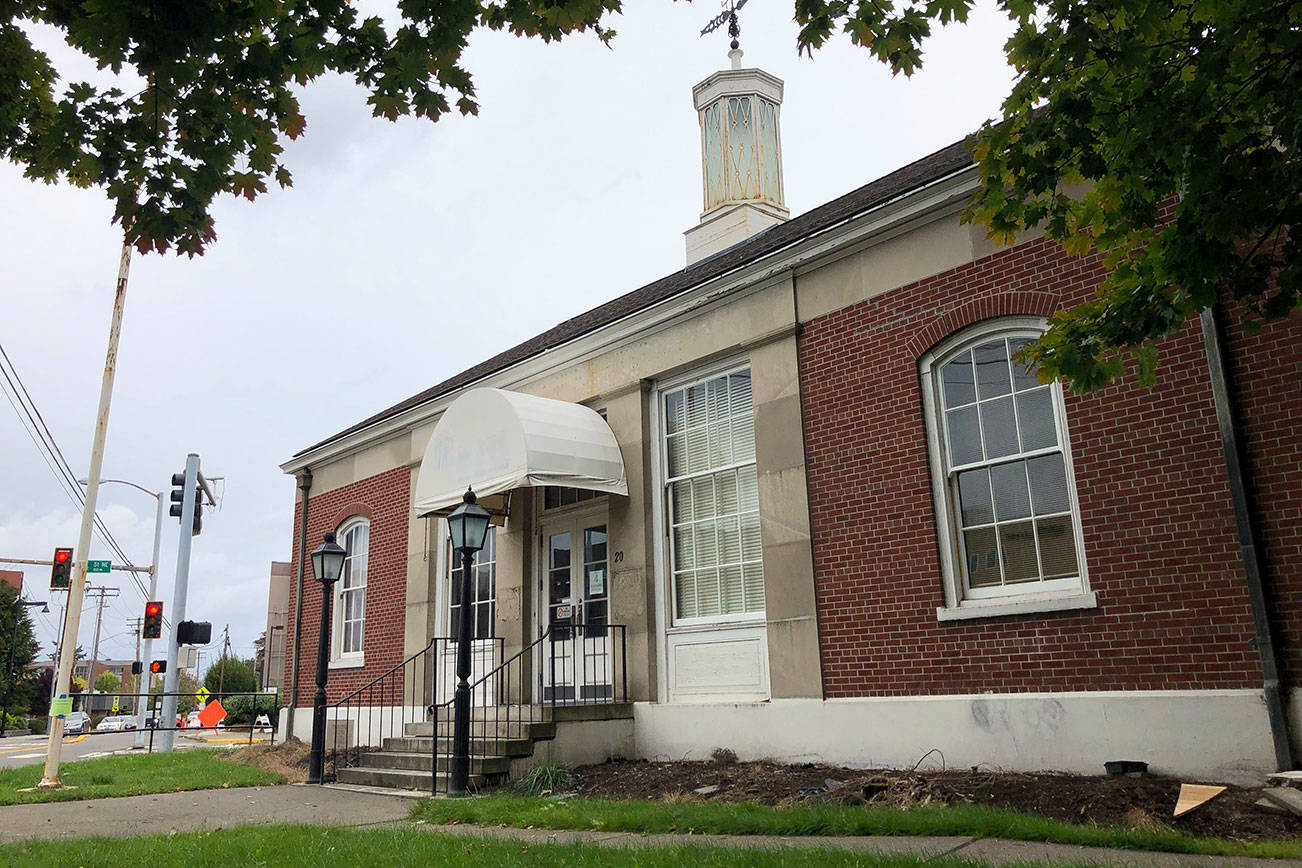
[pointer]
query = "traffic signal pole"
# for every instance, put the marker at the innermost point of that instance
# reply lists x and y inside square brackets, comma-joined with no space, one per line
[68,641]
[170,678]
[149,643]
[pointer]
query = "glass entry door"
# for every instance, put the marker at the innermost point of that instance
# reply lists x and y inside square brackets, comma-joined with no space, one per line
[576,664]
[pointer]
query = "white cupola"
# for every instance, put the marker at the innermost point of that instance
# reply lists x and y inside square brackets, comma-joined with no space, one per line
[741,157]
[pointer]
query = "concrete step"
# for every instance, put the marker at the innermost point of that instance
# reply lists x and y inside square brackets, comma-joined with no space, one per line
[479,764]
[480,729]
[399,779]
[509,747]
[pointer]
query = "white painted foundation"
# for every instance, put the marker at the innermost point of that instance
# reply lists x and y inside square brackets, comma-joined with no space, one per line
[1218,735]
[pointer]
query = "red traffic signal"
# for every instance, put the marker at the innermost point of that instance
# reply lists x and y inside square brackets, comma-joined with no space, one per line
[153,623]
[61,570]
[158,667]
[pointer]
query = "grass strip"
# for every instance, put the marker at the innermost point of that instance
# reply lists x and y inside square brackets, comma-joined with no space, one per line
[823,819]
[288,846]
[133,775]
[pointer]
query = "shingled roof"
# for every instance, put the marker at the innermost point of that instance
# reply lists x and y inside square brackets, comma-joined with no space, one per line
[917,174]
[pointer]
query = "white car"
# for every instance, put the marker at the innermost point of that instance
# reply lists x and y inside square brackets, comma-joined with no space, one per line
[116,724]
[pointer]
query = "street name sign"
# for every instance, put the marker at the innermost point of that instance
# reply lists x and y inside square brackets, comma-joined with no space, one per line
[98,566]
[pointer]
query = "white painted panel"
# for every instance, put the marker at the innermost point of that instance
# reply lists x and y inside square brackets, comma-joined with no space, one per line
[727,665]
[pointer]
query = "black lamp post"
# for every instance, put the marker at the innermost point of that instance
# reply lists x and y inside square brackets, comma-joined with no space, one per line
[327,564]
[468,526]
[9,664]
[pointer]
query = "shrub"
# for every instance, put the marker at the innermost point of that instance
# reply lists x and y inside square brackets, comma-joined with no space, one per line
[545,779]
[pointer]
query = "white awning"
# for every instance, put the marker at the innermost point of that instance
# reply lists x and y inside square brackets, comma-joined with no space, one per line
[496,441]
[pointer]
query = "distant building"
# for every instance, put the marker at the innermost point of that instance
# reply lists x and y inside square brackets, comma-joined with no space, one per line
[273,648]
[12,578]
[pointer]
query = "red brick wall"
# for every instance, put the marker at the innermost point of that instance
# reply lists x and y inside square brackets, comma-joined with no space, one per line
[1158,524]
[385,499]
[1266,376]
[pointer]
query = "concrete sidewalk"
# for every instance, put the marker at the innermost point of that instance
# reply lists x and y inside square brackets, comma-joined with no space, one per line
[346,806]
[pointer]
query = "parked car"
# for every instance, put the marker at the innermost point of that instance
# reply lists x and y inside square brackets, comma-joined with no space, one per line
[192,719]
[76,722]
[116,724]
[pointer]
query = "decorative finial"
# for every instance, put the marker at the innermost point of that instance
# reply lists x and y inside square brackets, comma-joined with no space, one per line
[729,14]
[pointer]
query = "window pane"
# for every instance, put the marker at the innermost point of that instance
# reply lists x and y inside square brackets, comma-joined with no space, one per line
[703,497]
[698,449]
[684,557]
[707,592]
[676,447]
[992,369]
[456,588]
[964,436]
[483,583]
[725,490]
[743,438]
[551,497]
[673,412]
[1012,499]
[753,577]
[707,548]
[594,544]
[974,497]
[956,381]
[681,495]
[1048,483]
[695,406]
[732,590]
[1057,546]
[483,621]
[982,557]
[748,489]
[1000,428]
[1035,419]
[750,537]
[739,396]
[1018,544]
[729,540]
[720,444]
[685,583]
[1023,377]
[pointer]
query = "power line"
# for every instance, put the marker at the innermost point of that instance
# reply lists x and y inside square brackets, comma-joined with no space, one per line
[34,424]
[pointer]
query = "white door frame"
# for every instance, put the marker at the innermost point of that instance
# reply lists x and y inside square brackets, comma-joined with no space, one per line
[573,520]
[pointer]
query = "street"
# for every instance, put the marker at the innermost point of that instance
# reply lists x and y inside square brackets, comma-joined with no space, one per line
[28,749]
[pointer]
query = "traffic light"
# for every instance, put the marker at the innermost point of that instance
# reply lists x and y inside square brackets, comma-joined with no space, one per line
[158,667]
[136,668]
[193,633]
[61,571]
[178,500]
[153,625]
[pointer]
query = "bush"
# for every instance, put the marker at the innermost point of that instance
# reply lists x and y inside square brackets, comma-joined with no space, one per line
[14,721]
[38,725]
[544,780]
[240,709]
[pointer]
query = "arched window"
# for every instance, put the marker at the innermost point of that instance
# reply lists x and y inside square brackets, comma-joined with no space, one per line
[350,591]
[1005,492]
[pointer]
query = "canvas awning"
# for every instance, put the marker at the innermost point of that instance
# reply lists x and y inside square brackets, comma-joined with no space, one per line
[496,441]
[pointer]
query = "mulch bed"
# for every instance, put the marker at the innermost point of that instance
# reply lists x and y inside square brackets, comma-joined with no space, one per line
[1102,800]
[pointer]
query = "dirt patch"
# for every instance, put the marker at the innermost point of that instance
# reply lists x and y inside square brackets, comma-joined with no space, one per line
[1103,800]
[288,758]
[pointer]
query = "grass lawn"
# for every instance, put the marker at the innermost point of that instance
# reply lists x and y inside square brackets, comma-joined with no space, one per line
[133,775]
[822,819]
[288,846]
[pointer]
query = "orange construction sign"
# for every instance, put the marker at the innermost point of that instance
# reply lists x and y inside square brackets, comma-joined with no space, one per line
[212,714]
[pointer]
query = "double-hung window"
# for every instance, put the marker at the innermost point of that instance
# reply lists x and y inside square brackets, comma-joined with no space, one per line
[710,486]
[350,590]
[1005,498]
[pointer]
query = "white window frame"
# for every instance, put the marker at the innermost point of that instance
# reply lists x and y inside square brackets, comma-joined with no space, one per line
[1045,596]
[340,659]
[660,433]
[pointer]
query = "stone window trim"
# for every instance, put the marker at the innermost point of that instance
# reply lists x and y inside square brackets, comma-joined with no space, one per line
[354,656]
[963,602]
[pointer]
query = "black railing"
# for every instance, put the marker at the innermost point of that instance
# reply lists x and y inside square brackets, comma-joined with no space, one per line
[568,665]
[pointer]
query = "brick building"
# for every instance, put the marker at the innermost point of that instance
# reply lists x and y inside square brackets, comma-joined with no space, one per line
[833,518]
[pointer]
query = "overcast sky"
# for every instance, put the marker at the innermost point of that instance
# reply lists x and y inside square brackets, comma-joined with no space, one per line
[403,254]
